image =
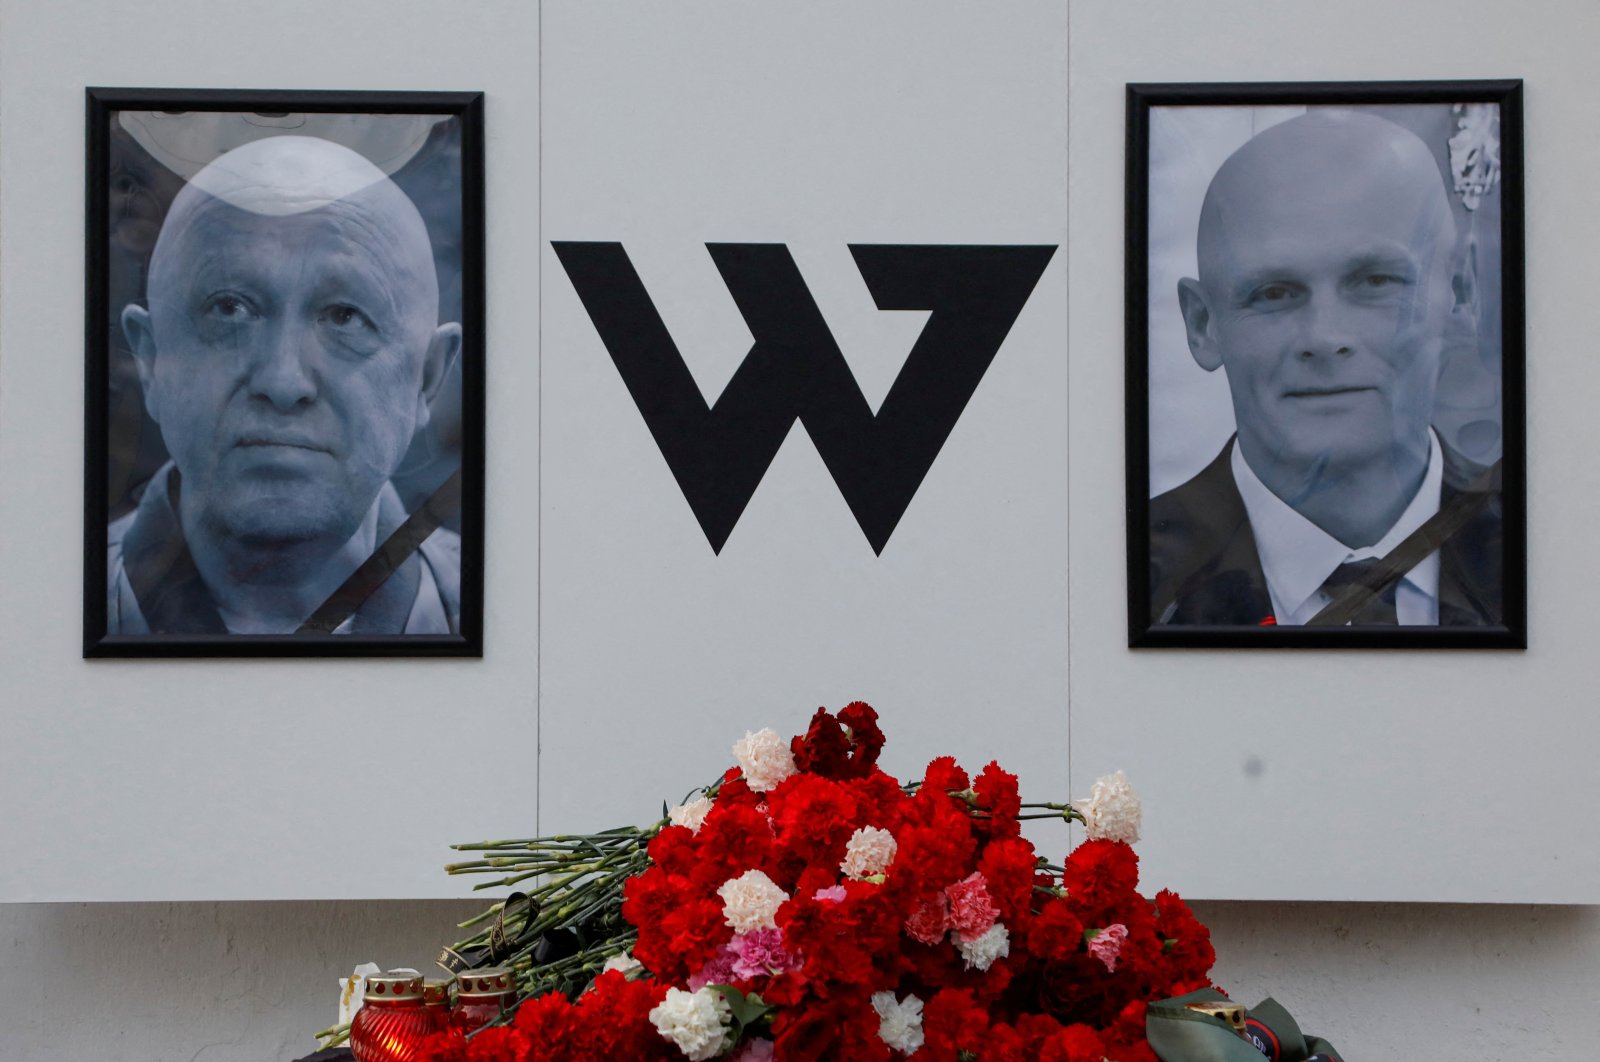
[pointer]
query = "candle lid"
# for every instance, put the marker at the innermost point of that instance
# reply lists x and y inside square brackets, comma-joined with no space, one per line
[489,981]
[394,986]
[436,992]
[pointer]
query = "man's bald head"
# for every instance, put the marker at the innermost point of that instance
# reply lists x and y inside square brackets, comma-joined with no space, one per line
[285,176]
[1326,163]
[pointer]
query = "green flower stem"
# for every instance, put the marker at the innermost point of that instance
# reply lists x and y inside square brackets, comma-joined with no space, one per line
[500,882]
[570,873]
[566,903]
[333,1036]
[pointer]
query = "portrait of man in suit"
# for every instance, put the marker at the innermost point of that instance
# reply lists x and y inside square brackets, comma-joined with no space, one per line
[1337,291]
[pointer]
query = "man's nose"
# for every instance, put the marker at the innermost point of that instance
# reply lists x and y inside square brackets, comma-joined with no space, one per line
[283,373]
[1326,330]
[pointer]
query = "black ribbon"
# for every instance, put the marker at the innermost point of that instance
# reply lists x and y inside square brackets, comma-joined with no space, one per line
[1386,571]
[503,943]
[395,551]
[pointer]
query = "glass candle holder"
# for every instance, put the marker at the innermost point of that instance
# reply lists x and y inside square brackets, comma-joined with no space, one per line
[481,996]
[392,1021]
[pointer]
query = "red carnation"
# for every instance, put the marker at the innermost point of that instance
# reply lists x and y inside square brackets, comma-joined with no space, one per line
[1075,1043]
[865,737]
[1003,1044]
[1008,867]
[549,1024]
[943,776]
[735,791]
[803,1034]
[936,848]
[1101,879]
[999,801]
[731,841]
[841,747]
[674,850]
[814,818]
[953,1021]
[882,802]
[616,1020]
[1055,932]
[825,748]
[1190,955]
[930,919]
[500,1044]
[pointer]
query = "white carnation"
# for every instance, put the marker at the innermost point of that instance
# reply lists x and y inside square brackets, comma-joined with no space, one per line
[696,1021]
[764,758]
[624,963]
[751,901]
[899,1023]
[981,951]
[869,851]
[693,814]
[1112,812]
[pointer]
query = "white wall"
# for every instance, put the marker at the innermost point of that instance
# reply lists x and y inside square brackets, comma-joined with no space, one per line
[249,982]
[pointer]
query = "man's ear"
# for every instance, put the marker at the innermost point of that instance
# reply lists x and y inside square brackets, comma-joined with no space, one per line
[141,338]
[1197,322]
[443,347]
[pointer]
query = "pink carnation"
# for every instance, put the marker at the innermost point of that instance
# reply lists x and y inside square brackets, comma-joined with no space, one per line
[756,1050]
[1107,944]
[719,971]
[832,894]
[930,921]
[972,912]
[761,952]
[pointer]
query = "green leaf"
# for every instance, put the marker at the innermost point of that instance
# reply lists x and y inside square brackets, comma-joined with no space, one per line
[746,1010]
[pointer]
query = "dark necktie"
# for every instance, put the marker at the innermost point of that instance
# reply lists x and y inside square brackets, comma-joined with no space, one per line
[1378,610]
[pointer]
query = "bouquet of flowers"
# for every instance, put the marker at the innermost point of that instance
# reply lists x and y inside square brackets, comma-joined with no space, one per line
[809,906]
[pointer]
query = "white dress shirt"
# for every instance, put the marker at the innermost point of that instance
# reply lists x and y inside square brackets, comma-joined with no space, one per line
[1297,555]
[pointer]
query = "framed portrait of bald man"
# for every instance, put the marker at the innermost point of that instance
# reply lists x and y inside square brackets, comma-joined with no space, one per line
[1325,365]
[284,373]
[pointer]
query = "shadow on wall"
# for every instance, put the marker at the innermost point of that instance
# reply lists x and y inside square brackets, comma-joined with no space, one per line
[1419,981]
[196,982]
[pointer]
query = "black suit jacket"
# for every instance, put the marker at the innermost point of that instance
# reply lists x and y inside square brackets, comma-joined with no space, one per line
[1204,568]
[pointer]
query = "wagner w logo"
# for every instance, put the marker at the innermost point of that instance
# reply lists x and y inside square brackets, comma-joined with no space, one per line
[794,370]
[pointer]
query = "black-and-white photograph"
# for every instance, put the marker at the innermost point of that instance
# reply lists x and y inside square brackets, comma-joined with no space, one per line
[1325,365]
[284,367]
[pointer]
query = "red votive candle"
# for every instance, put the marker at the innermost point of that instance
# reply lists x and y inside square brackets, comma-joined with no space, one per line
[392,1021]
[481,996]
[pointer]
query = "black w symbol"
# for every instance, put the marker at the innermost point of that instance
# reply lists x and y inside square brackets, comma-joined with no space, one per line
[719,453]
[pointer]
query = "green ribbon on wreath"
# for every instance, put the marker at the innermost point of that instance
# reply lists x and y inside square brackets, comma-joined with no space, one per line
[1178,1034]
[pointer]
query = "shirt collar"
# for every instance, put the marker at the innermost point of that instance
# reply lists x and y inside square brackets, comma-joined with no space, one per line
[1297,555]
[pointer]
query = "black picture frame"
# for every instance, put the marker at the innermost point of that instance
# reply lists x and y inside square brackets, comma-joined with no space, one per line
[1183,543]
[129,185]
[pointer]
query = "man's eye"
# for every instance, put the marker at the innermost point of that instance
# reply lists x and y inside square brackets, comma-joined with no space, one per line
[229,308]
[1273,294]
[341,315]
[1381,280]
